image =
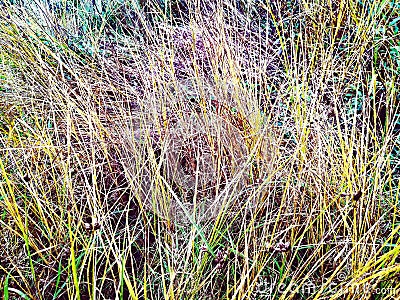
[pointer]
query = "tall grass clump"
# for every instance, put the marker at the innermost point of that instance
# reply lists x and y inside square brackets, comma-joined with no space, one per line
[199,149]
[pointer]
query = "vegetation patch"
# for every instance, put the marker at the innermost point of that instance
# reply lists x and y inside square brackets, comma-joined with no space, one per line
[199,149]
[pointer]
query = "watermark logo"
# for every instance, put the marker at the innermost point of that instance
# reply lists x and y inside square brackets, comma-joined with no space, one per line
[269,288]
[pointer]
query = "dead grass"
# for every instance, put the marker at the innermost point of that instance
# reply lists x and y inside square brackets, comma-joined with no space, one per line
[218,150]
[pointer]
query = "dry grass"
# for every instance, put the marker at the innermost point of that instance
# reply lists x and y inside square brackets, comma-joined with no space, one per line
[215,150]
